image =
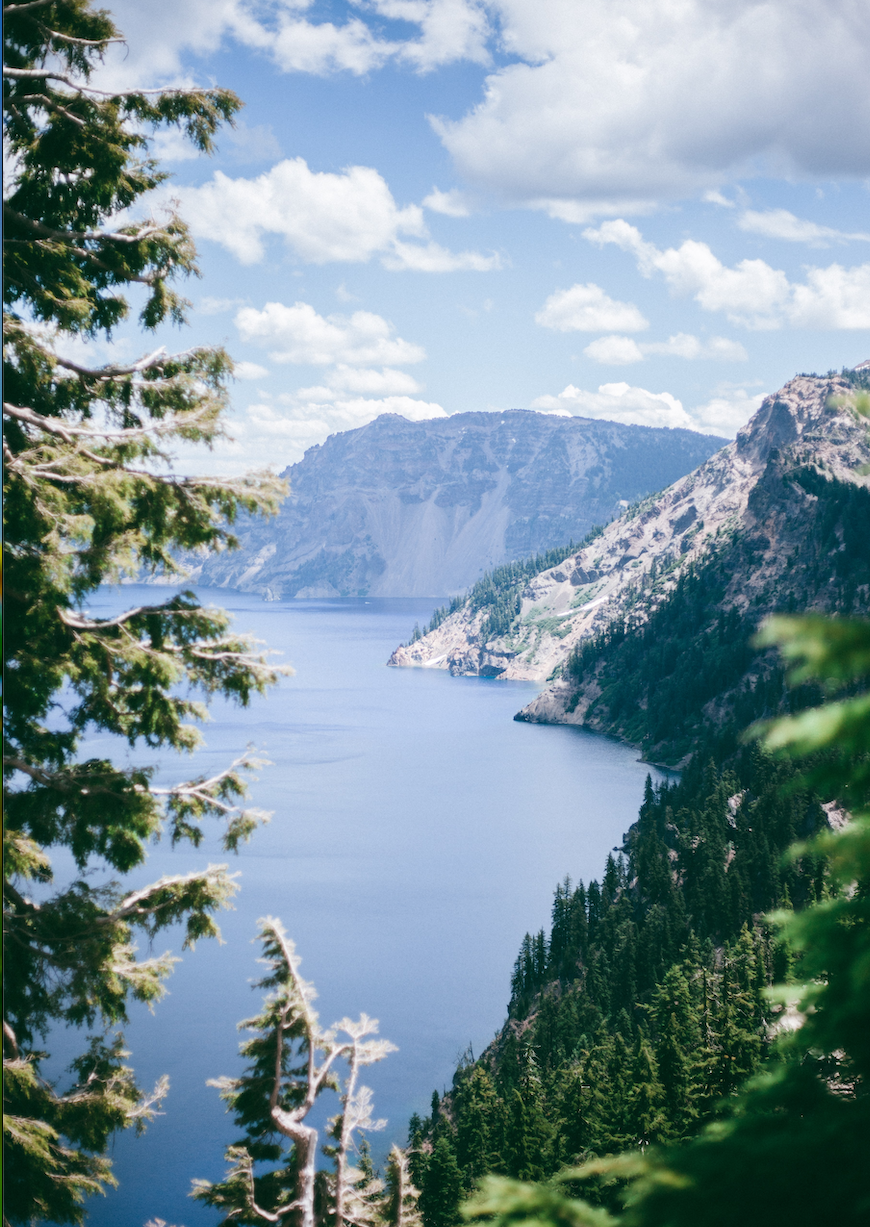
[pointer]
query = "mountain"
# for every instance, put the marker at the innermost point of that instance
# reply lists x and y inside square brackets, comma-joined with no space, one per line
[399,508]
[646,631]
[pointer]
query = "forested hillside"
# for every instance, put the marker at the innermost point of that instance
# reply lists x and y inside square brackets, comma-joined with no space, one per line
[644,1005]
[638,1018]
[684,660]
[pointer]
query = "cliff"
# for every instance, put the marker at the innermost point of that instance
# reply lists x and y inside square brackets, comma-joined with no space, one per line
[399,508]
[774,520]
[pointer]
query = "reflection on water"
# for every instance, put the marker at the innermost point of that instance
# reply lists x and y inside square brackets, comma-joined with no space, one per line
[418,833]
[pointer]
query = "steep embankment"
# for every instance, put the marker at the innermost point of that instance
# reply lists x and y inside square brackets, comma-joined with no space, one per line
[780,518]
[399,508]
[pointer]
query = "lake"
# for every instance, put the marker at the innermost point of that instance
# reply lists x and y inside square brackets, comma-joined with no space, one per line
[418,834]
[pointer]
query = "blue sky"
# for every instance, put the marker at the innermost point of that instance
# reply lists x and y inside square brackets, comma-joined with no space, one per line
[653,211]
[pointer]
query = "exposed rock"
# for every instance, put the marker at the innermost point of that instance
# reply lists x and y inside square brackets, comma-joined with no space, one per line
[746,488]
[399,508]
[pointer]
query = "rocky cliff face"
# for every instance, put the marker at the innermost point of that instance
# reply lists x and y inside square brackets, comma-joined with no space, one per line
[399,508]
[752,504]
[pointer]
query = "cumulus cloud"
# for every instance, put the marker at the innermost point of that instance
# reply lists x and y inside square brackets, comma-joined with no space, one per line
[780,224]
[618,402]
[321,215]
[365,380]
[163,30]
[726,412]
[752,293]
[610,105]
[451,204]
[298,334]
[436,259]
[586,308]
[723,414]
[618,351]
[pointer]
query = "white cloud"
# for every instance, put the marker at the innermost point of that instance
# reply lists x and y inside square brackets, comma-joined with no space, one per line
[619,402]
[614,350]
[322,216]
[281,433]
[586,308]
[833,297]
[780,224]
[436,259]
[249,371]
[451,204]
[450,30]
[384,382]
[715,197]
[618,351]
[625,102]
[724,414]
[752,293]
[298,334]
[320,48]
[161,31]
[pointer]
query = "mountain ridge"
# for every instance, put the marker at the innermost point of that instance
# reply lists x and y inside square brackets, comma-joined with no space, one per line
[750,506]
[400,508]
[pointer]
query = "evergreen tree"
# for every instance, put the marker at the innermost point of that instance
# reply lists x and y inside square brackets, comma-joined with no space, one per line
[90,496]
[442,1186]
[793,1146]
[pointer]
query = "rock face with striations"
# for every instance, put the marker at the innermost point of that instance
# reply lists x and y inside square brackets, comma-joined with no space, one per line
[759,498]
[400,508]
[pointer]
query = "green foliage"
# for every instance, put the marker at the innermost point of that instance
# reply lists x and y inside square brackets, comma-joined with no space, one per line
[791,1144]
[683,658]
[89,497]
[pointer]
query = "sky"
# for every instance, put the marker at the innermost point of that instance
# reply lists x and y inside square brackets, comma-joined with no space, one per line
[651,211]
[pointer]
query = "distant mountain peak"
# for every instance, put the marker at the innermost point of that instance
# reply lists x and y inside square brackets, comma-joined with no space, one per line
[754,506]
[402,508]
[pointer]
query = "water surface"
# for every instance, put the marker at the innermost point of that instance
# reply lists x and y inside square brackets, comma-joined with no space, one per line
[418,834]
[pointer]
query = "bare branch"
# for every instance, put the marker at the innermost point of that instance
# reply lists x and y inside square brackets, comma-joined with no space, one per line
[80,623]
[82,236]
[81,42]
[69,432]
[24,74]
[12,10]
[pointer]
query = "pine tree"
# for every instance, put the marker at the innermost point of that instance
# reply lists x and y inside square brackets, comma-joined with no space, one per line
[442,1186]
[90,496]
[794,1146]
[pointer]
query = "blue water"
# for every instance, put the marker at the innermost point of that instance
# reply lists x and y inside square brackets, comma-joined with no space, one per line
[418,834]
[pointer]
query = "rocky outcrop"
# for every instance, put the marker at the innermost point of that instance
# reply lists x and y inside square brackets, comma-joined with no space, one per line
[399,508]
[746,490]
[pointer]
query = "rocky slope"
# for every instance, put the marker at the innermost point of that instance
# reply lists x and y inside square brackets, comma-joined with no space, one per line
[748,513]
[399,508]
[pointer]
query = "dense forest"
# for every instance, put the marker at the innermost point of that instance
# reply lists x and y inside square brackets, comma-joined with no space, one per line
[678,663]
[635,1022]
[644,1005]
